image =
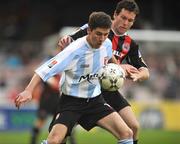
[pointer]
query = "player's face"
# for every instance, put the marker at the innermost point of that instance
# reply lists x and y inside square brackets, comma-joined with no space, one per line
[97,36]
[123,21]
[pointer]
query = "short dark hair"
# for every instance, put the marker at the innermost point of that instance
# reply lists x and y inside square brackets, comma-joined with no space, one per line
[99,19]
[129,5]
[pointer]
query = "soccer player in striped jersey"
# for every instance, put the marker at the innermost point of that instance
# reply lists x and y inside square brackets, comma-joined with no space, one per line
[47,104]
[81,101]
[124,49]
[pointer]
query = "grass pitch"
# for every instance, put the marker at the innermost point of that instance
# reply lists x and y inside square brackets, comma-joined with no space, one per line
[97,136]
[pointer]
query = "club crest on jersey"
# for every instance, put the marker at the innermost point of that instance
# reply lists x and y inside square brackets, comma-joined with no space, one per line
[126,46]
[52,63]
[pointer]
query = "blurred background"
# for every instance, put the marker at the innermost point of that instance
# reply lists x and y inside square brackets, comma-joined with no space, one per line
[29,31]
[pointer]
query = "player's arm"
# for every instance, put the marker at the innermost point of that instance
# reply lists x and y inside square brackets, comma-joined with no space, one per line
[113,60]
[66,40]
[144,73]
[140,75]
[135,59]
[26,95]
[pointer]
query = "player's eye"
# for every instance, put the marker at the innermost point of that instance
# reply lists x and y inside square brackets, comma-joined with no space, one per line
[106,34]
[125,18]
[99,34]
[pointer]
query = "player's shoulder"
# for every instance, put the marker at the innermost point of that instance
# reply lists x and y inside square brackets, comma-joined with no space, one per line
[129,36]
[133,42]
[77,47]
[79,41]
[82,31]
[108,41]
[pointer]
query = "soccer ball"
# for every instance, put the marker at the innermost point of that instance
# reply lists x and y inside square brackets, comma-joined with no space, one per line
[112,77]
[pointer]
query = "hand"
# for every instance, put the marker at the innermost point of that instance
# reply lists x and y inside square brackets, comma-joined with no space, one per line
[64,42]
[128,69]
[134,75]
[23,97]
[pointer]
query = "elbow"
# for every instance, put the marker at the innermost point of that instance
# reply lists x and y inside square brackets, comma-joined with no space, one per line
[146,75]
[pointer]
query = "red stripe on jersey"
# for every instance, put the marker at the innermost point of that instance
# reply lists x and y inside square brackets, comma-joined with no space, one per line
[115,42]
[125,48]
[127,40]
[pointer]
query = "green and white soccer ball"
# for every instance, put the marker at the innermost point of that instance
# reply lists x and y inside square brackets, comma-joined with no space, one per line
[112,77]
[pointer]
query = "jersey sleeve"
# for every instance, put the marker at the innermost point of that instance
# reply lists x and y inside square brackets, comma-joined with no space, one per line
[134,57]
[82,31]
[59,63]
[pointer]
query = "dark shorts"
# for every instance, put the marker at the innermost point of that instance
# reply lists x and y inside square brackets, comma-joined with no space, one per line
[115,99]
[85,112]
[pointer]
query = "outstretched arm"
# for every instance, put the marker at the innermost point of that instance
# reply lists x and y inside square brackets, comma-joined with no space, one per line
[26,95]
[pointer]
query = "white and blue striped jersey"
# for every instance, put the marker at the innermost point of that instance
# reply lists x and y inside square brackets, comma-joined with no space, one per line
[80,64]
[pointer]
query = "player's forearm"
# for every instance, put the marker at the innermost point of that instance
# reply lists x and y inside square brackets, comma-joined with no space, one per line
[33,83]
[144,74]
[113,60]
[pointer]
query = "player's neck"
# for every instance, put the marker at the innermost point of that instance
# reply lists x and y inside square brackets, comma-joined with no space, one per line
[90,43]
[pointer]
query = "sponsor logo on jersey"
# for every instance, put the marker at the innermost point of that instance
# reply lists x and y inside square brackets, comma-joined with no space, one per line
[116,53]
[88,77]
[84,66]
[52,63]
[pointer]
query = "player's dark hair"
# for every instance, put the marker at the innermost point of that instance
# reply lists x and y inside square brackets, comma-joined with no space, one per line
[129,5]
[99,19]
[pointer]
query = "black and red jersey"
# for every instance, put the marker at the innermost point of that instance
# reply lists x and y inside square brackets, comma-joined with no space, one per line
[125,49]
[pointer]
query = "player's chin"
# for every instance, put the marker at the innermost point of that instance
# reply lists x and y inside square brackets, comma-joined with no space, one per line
[98,45]
[122,30]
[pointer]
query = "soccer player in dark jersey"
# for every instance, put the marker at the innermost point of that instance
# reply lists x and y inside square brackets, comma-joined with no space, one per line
[124,49]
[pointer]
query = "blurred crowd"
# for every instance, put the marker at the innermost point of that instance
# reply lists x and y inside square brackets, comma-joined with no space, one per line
[19,59]
[164,82]
[25,23]
[17,63]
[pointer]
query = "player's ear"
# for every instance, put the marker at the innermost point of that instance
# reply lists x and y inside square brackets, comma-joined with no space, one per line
[114,15]
[88,30]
